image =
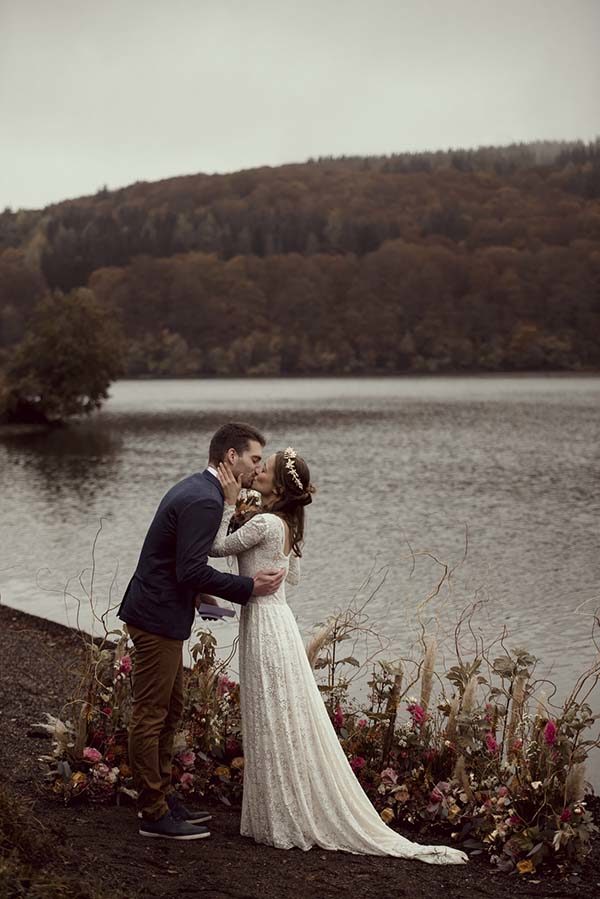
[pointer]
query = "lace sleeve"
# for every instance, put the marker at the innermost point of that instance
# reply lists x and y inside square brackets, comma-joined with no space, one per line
[293,575]
[244,538]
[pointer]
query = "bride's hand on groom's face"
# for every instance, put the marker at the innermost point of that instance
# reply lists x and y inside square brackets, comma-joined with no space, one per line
[230,484]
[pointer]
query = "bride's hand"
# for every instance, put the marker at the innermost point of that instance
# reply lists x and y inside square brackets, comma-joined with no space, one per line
[230,484]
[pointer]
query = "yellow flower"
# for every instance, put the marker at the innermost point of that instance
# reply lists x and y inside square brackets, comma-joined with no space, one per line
[453,812]
[238,762]
[401,794]
[78,777]
[222,771]
[526,866]
[386,815]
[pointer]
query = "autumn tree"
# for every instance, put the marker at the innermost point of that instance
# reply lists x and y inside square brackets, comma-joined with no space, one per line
[66,362]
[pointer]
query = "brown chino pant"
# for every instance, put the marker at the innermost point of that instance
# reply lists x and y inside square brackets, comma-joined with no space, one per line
[156,711]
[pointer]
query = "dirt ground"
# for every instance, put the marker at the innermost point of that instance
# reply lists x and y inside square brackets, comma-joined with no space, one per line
[38,669]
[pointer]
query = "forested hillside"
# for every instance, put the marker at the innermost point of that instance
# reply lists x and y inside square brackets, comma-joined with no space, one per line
[459,261]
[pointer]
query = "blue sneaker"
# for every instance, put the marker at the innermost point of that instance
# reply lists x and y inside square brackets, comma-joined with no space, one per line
[181,813]
[171,829]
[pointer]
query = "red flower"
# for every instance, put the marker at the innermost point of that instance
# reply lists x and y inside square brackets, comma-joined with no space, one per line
[125,665]
[550,732]
[338,717]
[418,713]
[490,742]
[566,814]
[436,796]
[225,685]
[357,763]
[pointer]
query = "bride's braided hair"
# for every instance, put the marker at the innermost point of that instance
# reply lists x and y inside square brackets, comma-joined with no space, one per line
[291,480]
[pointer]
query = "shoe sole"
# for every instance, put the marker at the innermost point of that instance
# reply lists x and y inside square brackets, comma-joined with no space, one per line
[168,836]
[199,820]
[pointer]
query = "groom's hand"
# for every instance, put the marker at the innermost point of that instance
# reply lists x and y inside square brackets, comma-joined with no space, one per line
[230,484]
[268,581]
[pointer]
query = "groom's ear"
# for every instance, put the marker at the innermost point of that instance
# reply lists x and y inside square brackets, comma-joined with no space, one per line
[231,456]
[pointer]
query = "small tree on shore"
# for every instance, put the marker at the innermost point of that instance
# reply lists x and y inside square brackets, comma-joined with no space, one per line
[66,362]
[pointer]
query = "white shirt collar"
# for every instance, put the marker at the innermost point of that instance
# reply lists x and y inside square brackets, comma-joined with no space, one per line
[212,471]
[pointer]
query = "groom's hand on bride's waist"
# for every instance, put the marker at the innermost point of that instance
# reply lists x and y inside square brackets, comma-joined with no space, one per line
[268,581]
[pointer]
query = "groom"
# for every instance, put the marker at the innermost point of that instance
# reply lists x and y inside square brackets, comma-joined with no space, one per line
[159,608]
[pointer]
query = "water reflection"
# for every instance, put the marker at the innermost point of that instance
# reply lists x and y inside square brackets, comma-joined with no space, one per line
[395,460]
[78,459]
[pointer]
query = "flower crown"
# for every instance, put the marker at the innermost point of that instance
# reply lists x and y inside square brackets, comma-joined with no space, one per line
[289,455]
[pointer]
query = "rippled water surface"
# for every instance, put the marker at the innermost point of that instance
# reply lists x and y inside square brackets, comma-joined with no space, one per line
[502,470]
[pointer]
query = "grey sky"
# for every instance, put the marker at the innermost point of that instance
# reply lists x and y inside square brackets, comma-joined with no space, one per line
[95,93]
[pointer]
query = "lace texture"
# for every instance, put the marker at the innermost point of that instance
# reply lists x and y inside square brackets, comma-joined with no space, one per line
[299,789]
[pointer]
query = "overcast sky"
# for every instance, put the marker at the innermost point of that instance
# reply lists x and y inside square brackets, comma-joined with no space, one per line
[96,92]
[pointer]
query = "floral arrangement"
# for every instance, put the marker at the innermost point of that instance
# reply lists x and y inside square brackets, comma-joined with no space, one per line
[247,505]
[472,762]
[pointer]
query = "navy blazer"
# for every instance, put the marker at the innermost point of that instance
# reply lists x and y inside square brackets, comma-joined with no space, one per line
[173,564]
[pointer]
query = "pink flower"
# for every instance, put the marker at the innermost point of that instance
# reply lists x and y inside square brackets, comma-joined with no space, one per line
[357,763]
[550,732]
[502,791]
[338,717]
[225,685]
[517,745]
[418,713]
[362,723]
[490,742]
[389,776]
[91,755]
[436,796]
[125,665]
[187,781]
[566,814]
[187,758]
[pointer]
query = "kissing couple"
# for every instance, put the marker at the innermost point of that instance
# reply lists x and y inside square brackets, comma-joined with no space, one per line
[299,788]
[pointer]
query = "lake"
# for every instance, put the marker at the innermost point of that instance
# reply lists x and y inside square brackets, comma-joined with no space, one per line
[498,477]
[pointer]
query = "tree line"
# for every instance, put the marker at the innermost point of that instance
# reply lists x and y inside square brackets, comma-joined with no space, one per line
[474,260]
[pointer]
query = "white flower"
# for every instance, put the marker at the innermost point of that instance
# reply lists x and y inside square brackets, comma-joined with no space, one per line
[536,784]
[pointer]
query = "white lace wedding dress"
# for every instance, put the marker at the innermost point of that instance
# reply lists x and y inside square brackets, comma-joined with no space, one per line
[299,788]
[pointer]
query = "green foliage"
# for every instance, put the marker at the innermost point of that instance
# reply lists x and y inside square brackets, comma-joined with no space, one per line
[66,362]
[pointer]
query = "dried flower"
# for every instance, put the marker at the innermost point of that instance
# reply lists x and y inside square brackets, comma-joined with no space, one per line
[386,815]
[357,763]
[418,714]
[187,758]
[550,732]
[124,666]
[389,776]
[491,744]
[187,781]
[91,755]
[525,866]
[338,717]
[427,675]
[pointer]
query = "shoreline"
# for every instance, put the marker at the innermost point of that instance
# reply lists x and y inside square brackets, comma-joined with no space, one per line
[39,668]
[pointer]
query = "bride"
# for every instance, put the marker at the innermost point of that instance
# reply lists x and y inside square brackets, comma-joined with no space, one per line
[299,788]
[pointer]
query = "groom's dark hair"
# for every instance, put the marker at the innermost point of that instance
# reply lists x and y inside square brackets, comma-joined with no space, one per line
[233,435]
